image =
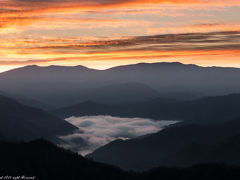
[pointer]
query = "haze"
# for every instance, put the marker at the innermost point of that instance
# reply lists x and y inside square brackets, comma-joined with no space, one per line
[96,131]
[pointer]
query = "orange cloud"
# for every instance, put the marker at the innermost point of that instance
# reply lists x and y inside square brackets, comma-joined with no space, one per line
[6,22]
[214,57]
[13,7]
[19,21]
[204,27]
[18,13]
[187,41]
[220,44]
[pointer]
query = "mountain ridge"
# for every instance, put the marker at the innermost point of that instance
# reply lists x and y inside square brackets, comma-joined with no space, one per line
[212,109]
[182,145]
[40,159]
[143,64]
[23,122]
[59,86]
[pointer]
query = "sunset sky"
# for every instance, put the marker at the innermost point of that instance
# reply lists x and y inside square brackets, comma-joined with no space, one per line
[105,33]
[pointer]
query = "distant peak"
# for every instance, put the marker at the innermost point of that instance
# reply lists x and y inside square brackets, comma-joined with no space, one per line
[172,64]
[20,69]
[155,65]
[64,67]
[29,67]
[33,65]
[51,68]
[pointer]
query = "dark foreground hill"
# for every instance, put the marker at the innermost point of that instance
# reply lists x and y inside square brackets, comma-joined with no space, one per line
[204,110]
[22,122]
[184,145]
[42,160]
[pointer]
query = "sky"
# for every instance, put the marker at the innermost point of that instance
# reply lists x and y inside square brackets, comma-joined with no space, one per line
[105,33]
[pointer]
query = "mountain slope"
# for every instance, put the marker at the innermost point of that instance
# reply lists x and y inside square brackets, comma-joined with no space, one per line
[27,101]
[178,77]
[204,110]
[109,94]
[45,84]
[18,121]
[119,93]
[175,146]
[42,160]
[55,85]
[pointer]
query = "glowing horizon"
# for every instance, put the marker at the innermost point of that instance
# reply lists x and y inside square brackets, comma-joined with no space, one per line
[98,65]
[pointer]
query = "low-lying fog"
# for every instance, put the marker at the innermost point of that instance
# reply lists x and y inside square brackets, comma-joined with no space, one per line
[96,131]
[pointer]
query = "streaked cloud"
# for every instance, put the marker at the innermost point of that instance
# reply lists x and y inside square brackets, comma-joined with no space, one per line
[189,41]
[156,47]
[18,12]
[69,32]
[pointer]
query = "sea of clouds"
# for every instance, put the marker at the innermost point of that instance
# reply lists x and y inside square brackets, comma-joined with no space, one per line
[96,131]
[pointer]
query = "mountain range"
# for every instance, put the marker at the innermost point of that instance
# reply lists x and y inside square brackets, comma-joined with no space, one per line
[40,159]
[21,122]
[176,146]
[213,109]
[63,86]
[205,100]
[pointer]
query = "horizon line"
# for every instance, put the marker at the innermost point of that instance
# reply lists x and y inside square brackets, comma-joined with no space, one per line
[124,65]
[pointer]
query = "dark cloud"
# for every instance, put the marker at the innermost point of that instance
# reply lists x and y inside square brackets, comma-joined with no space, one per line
[156,46]
[32,6]
[167,42]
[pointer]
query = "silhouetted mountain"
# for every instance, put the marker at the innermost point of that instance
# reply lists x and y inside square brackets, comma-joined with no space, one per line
[109,94]
[21,122]
[178,77]
[197,172]
[50,85]
[203,110]
[2,137]
[148,109]
[182,96]
[59,86]
[49,73]
[33,103]
[28,102]
[62,86]
[42,160]
[119,93]
[175,146]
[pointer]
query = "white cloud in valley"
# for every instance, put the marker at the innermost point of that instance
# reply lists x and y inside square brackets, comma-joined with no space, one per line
[96,131]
